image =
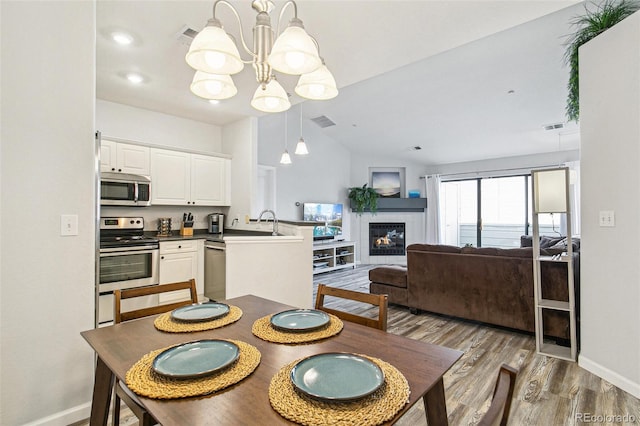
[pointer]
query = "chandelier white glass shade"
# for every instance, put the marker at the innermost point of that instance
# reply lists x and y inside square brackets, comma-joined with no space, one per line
[293,52]
[271,98]
[213,86]
[317,85]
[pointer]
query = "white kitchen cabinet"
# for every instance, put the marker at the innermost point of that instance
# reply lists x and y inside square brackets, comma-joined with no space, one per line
[119,157]
[179,262]
[180,178]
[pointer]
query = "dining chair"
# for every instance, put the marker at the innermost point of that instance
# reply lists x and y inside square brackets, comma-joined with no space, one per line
[121,391]
[379,300]
[498,412]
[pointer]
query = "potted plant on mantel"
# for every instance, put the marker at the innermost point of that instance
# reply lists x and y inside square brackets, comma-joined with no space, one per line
[364,198]
[592,24]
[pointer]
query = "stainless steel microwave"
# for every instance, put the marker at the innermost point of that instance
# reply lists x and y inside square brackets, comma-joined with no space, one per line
[122,189]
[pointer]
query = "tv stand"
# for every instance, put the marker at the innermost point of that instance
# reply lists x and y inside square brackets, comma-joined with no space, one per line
[333,255]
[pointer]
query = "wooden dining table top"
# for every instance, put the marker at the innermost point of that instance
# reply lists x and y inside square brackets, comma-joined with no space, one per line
[120,346]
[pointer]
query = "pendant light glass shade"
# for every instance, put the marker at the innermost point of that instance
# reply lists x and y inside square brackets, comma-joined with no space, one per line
[272,98]
[301,147]
[213,86]
[318,85]
[294,51]
[286,158]
[214,52]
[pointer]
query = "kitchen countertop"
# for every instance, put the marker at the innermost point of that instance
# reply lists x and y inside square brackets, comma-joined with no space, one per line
[203,234]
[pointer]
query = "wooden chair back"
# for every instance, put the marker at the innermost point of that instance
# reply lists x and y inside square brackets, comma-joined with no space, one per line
[379,300]
[120,295]
[498,413]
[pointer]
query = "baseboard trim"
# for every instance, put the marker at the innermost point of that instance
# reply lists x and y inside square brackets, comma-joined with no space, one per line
[66,417]
[610,376]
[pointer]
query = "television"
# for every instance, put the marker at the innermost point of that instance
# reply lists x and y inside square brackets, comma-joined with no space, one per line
[329,214]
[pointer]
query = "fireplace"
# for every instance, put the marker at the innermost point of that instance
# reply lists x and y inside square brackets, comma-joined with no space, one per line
[386,239]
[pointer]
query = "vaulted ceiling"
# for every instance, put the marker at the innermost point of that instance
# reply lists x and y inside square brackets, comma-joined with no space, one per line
[463,80]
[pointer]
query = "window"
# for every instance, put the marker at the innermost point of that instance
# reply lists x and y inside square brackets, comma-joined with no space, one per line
[490,212]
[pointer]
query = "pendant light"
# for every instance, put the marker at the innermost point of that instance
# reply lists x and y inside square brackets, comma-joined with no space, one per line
[301,147]
[286,158]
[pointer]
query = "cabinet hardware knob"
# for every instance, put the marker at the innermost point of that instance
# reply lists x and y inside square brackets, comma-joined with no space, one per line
[179,246]
[161,257]
[113,169]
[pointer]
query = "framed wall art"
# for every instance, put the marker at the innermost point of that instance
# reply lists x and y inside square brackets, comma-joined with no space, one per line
[388,182]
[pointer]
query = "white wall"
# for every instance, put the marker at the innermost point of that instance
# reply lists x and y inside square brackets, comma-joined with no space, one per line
[322,176]
[136,124]
[47,169]
[610,271]
[240,139]
[508,164]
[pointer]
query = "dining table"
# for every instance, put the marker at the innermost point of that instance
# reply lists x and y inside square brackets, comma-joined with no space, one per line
[118,347]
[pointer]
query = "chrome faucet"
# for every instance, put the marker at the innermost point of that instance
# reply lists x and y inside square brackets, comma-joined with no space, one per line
[275,220]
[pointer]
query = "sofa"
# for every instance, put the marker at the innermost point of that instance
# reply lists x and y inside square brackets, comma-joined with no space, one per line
[490,285]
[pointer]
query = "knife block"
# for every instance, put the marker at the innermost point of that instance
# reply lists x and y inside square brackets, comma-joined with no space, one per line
[186,232]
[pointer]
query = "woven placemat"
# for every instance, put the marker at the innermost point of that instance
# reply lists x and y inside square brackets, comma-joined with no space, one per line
[142,380]
[263,329]
[165,323]
[377,408]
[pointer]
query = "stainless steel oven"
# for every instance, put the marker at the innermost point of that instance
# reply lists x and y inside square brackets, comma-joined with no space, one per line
[128,259]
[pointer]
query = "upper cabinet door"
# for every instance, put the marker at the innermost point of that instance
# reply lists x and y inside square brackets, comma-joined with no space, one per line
[170,177]
[107,156]
[132,159]
[119,157]
[210,180]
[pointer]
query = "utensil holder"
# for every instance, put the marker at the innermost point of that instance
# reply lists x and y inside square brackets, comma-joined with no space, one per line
[186,232]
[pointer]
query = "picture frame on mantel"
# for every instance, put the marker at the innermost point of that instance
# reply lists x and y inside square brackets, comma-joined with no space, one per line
[388,182]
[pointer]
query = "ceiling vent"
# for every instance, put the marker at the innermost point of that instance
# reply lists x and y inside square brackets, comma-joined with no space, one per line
[554,126]
[323,121]
[186,35]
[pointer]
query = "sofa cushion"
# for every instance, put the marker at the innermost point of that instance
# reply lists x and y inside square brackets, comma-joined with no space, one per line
[391,275]
[485,251]
[441,248]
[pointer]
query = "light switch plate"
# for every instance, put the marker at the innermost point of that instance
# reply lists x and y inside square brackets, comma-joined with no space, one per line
[68,225]
[607,218]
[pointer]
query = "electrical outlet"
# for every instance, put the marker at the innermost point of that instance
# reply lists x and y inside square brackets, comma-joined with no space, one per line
[68,225]
[607,218]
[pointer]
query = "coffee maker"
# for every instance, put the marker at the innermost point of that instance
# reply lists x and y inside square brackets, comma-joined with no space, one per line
[216,223]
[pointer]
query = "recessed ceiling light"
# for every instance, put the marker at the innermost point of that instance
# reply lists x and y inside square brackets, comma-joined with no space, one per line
[135,78]
[122,38]
[214,101]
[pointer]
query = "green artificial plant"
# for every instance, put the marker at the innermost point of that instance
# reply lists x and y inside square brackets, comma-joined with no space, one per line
[364,198]
[590,25]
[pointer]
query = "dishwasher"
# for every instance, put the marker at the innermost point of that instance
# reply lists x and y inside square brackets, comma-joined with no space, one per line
[215,271]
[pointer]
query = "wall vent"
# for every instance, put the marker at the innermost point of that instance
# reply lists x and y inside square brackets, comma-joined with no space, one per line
[323,121]
[554,126]
[186,35]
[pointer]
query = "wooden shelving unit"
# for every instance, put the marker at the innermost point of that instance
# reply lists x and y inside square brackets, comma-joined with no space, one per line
[551,195]
[332,256]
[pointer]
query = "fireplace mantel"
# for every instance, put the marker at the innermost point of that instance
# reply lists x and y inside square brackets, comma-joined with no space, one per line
[398,205]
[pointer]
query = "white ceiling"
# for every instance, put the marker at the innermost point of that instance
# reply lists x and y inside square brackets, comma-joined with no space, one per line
[434,74]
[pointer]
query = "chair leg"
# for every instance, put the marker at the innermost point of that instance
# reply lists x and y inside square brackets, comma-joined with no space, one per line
[116,410]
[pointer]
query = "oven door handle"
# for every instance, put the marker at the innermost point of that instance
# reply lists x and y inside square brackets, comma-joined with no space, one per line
[119,251]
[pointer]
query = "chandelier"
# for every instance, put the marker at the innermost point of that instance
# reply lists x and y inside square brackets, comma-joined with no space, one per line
[215,57]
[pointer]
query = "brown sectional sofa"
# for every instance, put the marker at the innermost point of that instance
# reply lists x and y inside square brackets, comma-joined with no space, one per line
[490,285]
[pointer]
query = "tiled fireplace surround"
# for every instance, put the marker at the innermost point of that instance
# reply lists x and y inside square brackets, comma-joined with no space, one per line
[414,233]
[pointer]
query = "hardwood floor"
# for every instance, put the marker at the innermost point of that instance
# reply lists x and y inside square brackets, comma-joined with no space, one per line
[548,391]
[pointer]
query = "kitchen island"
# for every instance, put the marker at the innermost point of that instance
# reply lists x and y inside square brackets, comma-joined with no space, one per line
[278,267]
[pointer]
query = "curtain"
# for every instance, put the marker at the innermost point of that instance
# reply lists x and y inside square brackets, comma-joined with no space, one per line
[432,192]
[574,196]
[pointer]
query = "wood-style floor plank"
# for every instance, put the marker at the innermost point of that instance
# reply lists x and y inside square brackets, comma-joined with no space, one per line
[548,391]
